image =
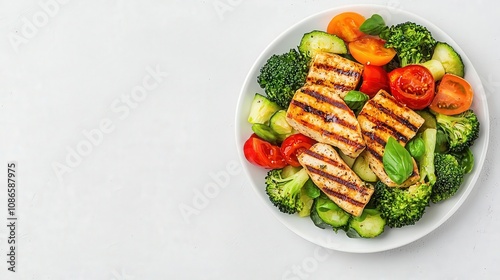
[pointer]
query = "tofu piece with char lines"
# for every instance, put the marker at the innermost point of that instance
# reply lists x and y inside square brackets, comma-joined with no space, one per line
[334,177]
[318,112]
[383,117]
[334,71]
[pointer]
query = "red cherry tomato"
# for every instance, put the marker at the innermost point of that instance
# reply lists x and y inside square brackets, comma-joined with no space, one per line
[263,153]
[412,85]
[293,146]
[374,79]
[454,95]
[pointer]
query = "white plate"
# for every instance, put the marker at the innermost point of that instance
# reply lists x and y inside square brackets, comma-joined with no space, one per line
[435,215]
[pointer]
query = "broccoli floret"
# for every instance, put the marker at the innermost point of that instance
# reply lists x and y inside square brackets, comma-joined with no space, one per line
[282,75]
[284,192]
[402,206]
[449,177]
[413,42]
[461,130]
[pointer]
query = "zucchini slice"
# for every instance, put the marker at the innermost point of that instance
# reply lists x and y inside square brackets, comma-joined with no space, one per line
[451,60]
[319,41]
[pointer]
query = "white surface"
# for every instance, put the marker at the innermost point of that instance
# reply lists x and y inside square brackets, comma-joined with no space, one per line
[116,214]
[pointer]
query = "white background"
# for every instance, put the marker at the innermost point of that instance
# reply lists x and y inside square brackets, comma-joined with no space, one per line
[108,205]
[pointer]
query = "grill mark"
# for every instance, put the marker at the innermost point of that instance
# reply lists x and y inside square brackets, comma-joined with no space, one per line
[374,153]
[325,159]
[323,132]
[343,72]
[342,182]
[398,118]
[373,136]
[321,82]
[328,118]
[317,95]
[383,126]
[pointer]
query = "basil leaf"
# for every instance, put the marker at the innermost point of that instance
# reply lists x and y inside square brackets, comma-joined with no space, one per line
[398,163]
[373,25]
[356,100]
[416,147]
[311,189]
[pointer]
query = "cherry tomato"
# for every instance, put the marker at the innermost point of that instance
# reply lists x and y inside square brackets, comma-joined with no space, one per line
[346,26]
[412,85]
[454,95]
[293,146]
[374,79]
[262,153]
[371,50]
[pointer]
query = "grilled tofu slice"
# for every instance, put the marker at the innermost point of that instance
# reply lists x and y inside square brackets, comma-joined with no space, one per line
[320,113]
[334,177]
[383,117]
[334,71]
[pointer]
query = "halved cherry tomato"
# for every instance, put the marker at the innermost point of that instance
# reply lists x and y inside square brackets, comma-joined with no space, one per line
[346,26]
[454,95]
[262,153]
[371,50]
[293,146]
[374,79]
[412,85]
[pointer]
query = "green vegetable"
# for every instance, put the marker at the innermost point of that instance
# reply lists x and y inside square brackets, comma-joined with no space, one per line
[285,192]
[356,100]
[363,170]
[429,120]
[413,42]
[319,41]
[331,213]
[402,206]
[449,177]
[279,124]
[282,75]
[311,189]
[316,219]
[449,58]
[461,130]
[435,67]
[426,162]
[369,225]
[261,109]
[265,132]
[307,201]
[416,147]
[347,159]
[397,161]
[465,160]
[373,25]
[441,142]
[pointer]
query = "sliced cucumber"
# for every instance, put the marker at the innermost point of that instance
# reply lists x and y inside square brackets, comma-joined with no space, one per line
[451,60]
[265,132]
[370,224]
[261,109]
[320,41]
[279,124]
[331,213]
[347,159]
[362,168]
[435,67]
